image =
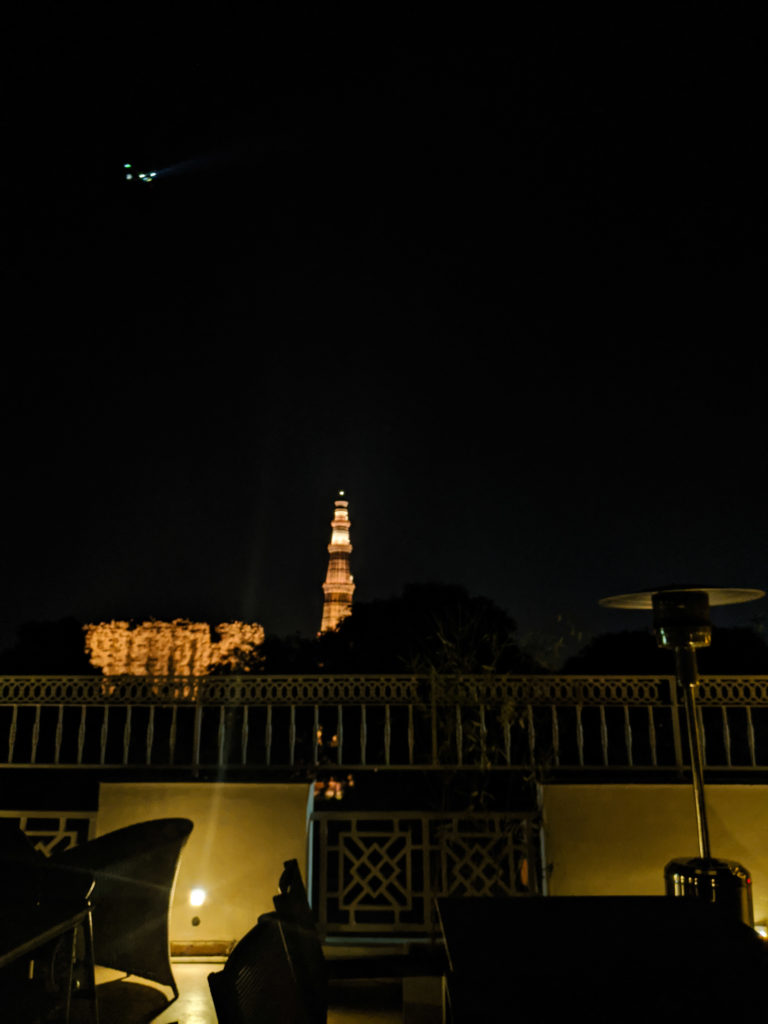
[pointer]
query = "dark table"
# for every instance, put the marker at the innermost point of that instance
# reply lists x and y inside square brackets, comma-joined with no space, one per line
[609,958]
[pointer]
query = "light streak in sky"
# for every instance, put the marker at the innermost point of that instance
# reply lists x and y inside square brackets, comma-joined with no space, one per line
[199,163]
[207,161]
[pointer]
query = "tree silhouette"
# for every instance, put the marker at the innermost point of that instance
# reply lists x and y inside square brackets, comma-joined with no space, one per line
[48,648]
[734,650]
[430,626]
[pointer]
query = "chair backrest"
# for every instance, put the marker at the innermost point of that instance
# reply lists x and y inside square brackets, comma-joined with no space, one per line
[135,870]
[291,903]
[276,974]
[302,942]
[257,983]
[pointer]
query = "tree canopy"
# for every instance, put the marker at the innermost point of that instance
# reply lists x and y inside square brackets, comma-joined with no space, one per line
[429,626]
[47,648]
[735,650]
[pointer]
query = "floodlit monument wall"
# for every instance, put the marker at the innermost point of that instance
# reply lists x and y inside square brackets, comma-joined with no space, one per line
[614,840]
[170,649]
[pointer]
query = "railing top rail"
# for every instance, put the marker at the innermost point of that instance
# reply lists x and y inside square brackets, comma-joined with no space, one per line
[422,815]
[375,689]
[229,690]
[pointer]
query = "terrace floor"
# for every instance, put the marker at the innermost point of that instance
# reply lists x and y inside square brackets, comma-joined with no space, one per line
[127,1001]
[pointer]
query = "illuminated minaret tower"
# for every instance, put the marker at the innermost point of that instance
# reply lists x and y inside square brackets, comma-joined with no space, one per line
[339,586]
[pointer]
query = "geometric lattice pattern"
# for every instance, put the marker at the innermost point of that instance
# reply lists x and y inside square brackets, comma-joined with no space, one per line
[375,871]
[53,832]
[380,872]
[475,864]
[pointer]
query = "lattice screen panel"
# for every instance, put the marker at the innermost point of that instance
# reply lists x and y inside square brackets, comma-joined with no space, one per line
[381,872]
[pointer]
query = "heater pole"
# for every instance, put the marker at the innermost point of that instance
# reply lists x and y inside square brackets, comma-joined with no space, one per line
[681,623]
[687,681]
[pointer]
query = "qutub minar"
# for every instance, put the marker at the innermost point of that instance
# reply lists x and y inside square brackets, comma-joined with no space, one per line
[339,586]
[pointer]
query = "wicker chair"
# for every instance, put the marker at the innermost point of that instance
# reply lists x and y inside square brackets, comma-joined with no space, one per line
[258,982]
[278,971]
[302,943]
[135,872]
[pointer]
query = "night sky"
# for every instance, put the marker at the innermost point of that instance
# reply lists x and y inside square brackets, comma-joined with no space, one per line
[506,287]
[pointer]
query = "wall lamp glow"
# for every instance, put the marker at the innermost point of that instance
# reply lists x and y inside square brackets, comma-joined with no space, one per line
[197,897]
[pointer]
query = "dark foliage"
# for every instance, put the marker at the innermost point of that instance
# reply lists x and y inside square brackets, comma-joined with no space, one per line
[290,655]
[739,651]
[48,648]
[430,626]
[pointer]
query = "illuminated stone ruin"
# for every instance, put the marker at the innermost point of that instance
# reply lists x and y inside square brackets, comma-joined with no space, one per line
[339,586]
[175,649]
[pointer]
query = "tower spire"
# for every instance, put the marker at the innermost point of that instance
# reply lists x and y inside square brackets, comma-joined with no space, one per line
[339,586]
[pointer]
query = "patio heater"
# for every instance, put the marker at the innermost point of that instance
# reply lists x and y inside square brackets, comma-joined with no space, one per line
[681,623]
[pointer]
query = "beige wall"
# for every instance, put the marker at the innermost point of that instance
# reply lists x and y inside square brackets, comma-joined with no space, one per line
[600,839]
[615,840]
[243,832]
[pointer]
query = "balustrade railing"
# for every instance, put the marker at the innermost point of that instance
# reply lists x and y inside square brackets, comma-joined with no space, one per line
[353,722]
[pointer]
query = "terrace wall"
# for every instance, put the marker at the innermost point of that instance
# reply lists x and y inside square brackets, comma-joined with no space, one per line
[614,840]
